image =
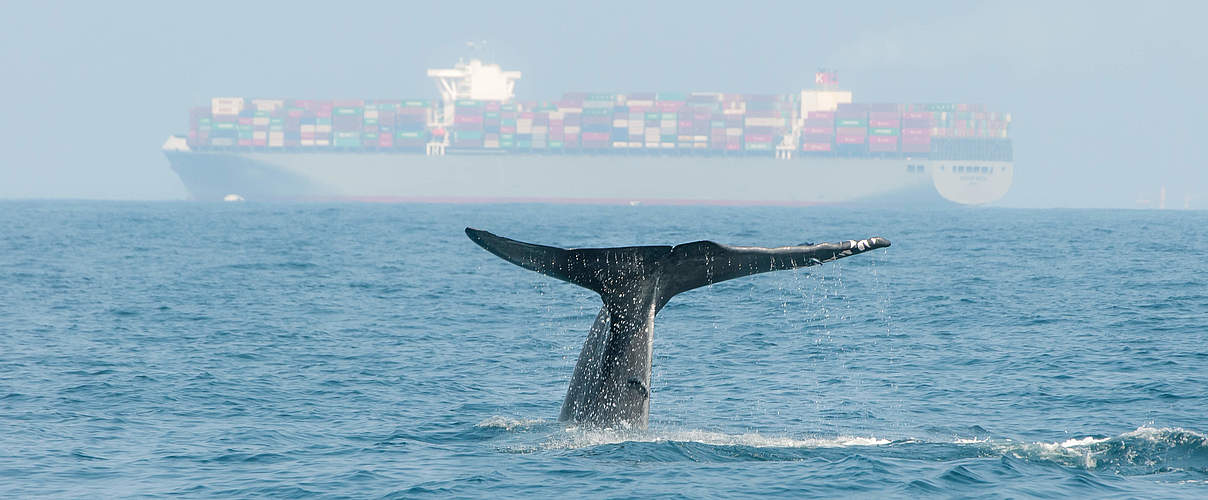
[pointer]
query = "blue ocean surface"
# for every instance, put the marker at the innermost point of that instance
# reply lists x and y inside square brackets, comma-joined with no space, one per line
[373,351]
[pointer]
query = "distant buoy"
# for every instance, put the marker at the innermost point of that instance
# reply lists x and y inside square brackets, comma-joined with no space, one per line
[634,203]
[232,197]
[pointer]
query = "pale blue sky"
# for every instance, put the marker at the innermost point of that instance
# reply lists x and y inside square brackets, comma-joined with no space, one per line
[1108,98]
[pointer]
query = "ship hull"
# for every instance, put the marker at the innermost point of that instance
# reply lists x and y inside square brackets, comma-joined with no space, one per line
[602,179]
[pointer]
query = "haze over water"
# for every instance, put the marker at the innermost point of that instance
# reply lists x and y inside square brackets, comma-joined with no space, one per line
[281,350]
[1107,98]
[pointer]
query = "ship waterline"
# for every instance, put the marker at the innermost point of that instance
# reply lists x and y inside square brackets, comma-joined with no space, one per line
[600,179]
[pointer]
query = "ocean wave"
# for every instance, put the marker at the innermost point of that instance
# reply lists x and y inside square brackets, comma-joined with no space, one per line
[1146,450]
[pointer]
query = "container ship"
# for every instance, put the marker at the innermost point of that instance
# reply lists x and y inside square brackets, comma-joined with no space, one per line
[477,143]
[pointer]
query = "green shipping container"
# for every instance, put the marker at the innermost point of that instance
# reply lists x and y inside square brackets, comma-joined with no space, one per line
[347,111]
[555,144]
[851,123]
[467,103]
[410,135]
[883,131]
[415,104]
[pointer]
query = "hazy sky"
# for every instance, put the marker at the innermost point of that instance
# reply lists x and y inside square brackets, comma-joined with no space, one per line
[1108,98]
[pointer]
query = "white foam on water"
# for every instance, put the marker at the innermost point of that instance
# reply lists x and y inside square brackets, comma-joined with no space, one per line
[508,423]
[575,437]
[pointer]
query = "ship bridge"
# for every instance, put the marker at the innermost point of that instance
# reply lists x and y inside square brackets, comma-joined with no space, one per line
[472,80]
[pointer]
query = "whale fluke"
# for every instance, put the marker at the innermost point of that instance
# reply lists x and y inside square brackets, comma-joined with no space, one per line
[611,382]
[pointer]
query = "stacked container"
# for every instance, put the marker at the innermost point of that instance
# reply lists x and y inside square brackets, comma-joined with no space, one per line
[818,132]
[679,122]
[468,119]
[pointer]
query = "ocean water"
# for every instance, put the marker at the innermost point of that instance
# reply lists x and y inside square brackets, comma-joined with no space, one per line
[373,351]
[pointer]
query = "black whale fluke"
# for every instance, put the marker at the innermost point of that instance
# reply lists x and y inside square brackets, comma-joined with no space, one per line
[611,382]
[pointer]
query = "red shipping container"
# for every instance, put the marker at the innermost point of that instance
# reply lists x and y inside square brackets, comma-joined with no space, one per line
[882,115]
[816,146]
[916,139]
[883,123]
[820,115]
[818,131]
[595,136]
[759,137]
[817,138]
[851,131]
[882,139]
[916,132]
[850,139]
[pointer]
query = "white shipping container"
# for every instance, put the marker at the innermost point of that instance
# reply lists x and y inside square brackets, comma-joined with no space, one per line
[323,129]
[222,141]
[555,115]
[571,129]
[308,129]
[322,142]
[276,136]
[640,103]
[620,145]
[524,122]
[620,123]
[540,129]
[371,114]
[490,144]
[765,122]
[524,129]
[668,124]
[260,121]
[259,135]
[276,143]
[700,138]
[226,105]
[733,131]
[269,105]
[308,142]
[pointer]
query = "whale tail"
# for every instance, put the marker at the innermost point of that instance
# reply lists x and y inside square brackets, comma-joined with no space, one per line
[609,271]
[611,381]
